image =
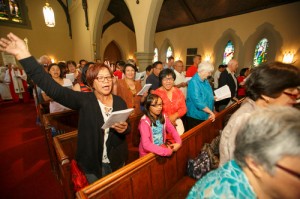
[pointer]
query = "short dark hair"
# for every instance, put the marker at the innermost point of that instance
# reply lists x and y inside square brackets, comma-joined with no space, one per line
[243,71]
[148,102]
[222,66]
[93,71]
[170,58]
[129,65]
[83,72]
[149,68]
[156,63]
[71,62]
[164,73]
[120,63]
[271,79]
[82,60]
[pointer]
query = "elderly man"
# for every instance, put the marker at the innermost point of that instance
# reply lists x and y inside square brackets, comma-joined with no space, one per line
[228,78]
[180,81]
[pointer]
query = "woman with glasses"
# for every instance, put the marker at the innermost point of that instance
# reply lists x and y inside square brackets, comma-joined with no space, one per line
[127,89]
[173,99]
[266,159]
[153,127]
[272,84]
[200,97]
[99,151]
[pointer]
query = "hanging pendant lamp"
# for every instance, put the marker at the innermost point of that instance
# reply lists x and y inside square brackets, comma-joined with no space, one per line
[49,15]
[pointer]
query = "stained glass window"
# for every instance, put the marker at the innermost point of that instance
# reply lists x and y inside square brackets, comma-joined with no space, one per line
[169,53]
[228,52]
[155,57]
[10,11]
[260,54]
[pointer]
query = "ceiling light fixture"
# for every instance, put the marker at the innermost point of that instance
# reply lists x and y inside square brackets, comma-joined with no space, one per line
[49,15]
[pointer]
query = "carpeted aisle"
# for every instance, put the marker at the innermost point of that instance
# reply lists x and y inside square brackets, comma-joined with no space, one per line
[25,170]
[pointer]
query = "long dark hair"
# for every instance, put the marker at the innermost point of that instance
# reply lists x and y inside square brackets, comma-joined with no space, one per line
[152,99]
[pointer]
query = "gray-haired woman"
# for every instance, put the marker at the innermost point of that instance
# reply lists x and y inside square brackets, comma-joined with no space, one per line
[270,84]
[266,160]
[200,97]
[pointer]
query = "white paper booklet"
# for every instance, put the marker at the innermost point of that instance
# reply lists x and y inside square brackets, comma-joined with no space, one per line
[222,93]
[70,76]
[144,89]
[140,75]
[117,116]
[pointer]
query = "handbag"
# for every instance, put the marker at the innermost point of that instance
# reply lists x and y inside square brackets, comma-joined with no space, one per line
[199,166]
[78,178]
[214,160]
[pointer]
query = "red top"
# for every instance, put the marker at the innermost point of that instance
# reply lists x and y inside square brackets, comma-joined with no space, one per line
[241,89]
[118,74]
[191,71]
[177,104]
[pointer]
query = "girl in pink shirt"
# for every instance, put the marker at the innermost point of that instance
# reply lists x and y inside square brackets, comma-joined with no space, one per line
[153,128]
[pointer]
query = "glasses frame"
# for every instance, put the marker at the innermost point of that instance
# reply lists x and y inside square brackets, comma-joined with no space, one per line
[293,173]
[293,96]
[104,78]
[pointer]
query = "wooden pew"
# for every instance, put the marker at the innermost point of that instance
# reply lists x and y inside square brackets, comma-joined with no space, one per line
[65,146]
[158,177]
[63,122]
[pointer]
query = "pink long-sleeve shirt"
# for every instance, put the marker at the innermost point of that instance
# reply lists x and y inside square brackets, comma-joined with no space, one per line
[146,142]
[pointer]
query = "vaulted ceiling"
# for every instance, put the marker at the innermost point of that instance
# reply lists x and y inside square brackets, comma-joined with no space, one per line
[179,13]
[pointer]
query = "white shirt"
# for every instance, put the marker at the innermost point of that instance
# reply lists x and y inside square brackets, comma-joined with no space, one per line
[106,111]
[216,78]
[179,79]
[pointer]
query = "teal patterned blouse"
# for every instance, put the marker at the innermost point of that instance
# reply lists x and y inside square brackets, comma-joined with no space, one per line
[157,132]
[228,181]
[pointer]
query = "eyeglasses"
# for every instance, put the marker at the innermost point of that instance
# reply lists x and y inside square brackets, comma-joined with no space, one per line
[156,105]
[297,175]
[102,79]
[293,96]
[168,79]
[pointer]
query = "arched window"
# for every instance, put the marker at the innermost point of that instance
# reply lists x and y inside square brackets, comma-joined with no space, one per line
[169,53]
[228,52]
[155,57]
[260,54]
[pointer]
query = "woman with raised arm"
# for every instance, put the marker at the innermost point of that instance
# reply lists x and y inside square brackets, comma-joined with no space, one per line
[99,151]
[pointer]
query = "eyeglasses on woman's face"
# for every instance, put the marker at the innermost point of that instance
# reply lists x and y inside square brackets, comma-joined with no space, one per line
[103,78]
[166,79]
[289,171]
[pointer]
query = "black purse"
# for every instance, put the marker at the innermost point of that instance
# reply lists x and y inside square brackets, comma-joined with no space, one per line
[199,166]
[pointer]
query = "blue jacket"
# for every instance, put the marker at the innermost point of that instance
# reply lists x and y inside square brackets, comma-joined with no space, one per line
[199,96]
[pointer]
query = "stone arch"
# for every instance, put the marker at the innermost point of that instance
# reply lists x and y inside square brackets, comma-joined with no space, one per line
[163,49]
[219,47]
[112,52]
[267,31]
[102,8]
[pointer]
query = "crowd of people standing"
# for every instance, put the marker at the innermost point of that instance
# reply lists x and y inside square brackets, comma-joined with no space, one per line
[170,107]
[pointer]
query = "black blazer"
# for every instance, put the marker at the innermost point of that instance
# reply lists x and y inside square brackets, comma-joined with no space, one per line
[226,78]
[90,135]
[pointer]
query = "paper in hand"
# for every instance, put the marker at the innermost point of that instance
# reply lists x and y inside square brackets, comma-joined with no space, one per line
[144,89]
[116,117]
[70,76]
[222,93]
[140,76]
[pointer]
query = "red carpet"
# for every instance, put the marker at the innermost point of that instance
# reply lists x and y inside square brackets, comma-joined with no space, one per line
[25,170]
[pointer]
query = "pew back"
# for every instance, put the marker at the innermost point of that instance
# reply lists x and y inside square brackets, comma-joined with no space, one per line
[158,177]
[62,122]
[65,147]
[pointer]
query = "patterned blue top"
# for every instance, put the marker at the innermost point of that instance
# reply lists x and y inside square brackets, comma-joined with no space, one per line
[199,96]
[157,132]
[228,181]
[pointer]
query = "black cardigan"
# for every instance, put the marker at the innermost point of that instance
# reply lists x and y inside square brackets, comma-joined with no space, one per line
[90,135]
[226,78]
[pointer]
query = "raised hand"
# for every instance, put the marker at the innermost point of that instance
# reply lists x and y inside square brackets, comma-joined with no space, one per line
[15,46]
